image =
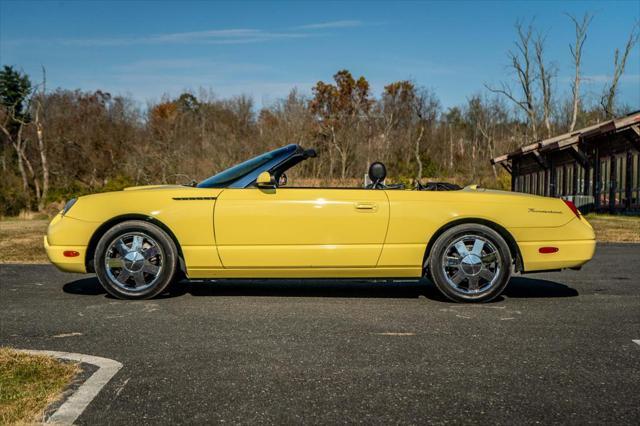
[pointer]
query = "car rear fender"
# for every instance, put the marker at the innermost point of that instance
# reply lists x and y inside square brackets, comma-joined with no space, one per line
[511,242]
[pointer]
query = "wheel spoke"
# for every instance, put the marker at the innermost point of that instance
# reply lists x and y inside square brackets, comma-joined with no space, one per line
[121,247]
[458,277]
[461,249]
[478,244]
[489,258]
[150,268]
[136,245]
[487,274]
[123,276]
[452,261]
[150,252]
[115,262]
[138,277]
[473,282]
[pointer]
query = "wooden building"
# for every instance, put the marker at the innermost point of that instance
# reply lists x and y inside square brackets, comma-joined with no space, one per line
[596,167]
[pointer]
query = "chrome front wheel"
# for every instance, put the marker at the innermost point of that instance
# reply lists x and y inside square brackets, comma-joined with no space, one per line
[135,260]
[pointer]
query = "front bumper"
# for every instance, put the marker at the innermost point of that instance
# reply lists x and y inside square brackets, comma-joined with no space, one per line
[63,263]
[68,234]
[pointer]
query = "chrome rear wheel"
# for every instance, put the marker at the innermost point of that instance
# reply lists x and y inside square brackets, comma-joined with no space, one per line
[470,263]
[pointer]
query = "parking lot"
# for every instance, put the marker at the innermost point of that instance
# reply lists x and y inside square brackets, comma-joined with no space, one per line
[558,347]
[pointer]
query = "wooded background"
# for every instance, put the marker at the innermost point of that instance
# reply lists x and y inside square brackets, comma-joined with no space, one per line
[62,143]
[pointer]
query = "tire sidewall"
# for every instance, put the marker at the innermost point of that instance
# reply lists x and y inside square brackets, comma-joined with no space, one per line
[435,259]
[169,262]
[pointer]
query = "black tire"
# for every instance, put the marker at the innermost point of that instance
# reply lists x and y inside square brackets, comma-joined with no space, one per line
[144,272]
[466,274]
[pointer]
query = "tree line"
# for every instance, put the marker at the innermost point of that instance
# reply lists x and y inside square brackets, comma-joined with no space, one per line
[60,143]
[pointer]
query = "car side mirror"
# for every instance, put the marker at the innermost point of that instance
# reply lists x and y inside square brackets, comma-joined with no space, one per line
[265,180]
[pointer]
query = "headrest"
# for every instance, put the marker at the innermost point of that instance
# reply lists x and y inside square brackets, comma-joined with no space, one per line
[377,172]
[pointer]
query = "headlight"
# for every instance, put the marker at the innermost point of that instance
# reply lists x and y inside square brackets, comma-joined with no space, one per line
[68,206]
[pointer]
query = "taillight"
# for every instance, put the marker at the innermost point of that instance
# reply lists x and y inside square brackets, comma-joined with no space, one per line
[572,207]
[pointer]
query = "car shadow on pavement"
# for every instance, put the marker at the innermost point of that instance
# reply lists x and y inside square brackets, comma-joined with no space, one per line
[518,287]
[533,288]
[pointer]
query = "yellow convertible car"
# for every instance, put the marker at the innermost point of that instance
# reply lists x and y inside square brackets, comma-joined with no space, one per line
[245,222]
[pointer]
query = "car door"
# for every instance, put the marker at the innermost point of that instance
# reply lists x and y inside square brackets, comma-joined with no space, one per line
[300,227]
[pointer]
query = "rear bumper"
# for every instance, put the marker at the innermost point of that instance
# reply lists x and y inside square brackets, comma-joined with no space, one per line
[66,264]
[570,254]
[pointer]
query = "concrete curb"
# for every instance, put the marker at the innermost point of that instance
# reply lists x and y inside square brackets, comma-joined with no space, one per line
[71,409]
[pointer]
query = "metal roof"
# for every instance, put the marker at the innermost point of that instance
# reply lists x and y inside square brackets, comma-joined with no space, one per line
[572,138]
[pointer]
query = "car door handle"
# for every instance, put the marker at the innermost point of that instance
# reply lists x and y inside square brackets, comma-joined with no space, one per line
[366,206]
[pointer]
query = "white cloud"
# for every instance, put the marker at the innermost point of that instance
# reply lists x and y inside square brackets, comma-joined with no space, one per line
[226,36]
[214,36]
[602,78]
[331,24]
[153,65]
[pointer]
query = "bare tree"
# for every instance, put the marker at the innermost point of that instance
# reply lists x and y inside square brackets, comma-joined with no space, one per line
[576,52]
[545,73]
[427,107]
[522,63]
[609,96]
[13,128]
[39,100]
[20,143]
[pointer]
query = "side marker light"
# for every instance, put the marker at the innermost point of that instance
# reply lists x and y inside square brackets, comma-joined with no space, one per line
[547,250]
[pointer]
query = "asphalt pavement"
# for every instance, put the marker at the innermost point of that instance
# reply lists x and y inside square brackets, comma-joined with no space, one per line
[557,348]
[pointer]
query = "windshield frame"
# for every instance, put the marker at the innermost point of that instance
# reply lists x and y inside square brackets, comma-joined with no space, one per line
[244,174]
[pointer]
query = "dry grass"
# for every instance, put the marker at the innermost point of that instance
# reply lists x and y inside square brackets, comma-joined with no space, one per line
[21,241]
[29,383]
[615,229]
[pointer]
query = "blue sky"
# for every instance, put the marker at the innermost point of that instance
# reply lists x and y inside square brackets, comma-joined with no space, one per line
[264,49]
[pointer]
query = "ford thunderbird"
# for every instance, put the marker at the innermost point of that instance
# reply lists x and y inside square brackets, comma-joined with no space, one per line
[249,222]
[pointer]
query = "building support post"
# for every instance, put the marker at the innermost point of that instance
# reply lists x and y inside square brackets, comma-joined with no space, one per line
[597,184]
[628,180]
[552,179]
[613,184]
[587,181]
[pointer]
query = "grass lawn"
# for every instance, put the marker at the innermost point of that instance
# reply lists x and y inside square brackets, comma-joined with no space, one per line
[619,229]
[21,239]
[29,383]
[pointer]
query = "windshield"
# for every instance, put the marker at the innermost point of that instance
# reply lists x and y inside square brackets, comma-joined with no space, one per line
[227,177]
